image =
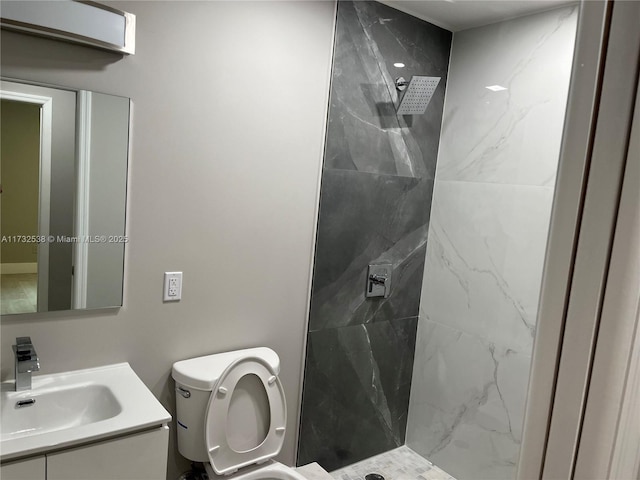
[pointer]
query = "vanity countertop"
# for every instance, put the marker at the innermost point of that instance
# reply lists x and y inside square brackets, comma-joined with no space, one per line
[72,408]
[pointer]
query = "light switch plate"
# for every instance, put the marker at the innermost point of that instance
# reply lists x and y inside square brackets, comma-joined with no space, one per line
[172,290]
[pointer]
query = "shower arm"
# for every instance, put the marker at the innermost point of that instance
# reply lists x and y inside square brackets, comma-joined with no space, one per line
[401,84]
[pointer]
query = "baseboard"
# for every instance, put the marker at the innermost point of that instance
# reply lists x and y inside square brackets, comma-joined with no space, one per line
[10,268]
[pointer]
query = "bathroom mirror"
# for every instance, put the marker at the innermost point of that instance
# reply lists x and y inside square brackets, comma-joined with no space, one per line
[63,177]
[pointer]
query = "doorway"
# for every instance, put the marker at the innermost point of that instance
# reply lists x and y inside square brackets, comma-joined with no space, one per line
[25,163]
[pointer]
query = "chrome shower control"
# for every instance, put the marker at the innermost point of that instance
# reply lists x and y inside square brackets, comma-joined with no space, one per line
[379,280]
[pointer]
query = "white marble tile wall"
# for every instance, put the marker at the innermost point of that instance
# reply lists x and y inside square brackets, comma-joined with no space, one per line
[486,244]
[509,136]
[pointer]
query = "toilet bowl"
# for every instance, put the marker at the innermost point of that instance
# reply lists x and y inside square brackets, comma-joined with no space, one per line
[231,414]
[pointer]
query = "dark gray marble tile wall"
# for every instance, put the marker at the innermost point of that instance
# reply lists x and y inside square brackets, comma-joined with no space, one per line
[377,185]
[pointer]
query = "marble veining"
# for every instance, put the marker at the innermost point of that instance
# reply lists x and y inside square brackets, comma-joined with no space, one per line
[367,219]
[365,133]
[503,131]
[484,260]
[401,463]
[357,385]
[486,243]
[474,405]
[377,185]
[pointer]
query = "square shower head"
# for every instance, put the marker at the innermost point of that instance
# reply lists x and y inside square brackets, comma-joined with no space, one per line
[418,95]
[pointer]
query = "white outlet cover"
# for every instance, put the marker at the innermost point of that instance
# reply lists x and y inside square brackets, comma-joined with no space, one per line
[172,288]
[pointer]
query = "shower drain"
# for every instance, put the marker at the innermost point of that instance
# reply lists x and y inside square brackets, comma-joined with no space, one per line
[373,476]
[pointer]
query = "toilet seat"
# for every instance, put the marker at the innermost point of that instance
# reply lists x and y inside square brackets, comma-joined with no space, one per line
[270,470]
[223,458]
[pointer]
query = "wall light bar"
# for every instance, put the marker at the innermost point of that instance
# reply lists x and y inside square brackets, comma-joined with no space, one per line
[84,22]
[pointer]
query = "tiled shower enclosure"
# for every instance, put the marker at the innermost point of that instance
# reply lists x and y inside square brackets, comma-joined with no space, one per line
[377,185]
[481,216]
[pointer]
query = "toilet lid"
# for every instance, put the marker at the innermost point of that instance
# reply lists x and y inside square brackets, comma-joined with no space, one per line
[223,458]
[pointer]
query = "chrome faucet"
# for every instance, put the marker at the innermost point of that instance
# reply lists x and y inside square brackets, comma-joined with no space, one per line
[27,361]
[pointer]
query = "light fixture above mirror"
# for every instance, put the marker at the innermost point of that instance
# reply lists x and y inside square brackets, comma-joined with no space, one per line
[84,22]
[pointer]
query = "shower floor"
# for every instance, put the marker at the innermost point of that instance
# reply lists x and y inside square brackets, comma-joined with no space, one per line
[399,464]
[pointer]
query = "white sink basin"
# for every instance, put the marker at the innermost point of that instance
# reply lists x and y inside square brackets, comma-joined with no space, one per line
[75,407]
[48,410]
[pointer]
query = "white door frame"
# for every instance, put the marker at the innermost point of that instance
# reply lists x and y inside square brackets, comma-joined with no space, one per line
[46,110]
[611,426]
[81,220]
[557,432]
[563,231]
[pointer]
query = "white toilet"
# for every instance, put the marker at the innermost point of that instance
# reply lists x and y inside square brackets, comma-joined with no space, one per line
[231,414]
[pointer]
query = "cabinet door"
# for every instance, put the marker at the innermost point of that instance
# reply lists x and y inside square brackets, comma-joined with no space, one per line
[142,456]
[30,469]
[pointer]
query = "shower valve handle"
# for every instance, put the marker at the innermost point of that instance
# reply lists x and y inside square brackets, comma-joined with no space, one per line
[378,279]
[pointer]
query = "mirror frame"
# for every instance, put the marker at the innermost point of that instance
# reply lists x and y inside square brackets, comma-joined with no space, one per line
[80,218]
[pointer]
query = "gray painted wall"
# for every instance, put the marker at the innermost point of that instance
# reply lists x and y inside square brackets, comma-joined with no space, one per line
[223,185]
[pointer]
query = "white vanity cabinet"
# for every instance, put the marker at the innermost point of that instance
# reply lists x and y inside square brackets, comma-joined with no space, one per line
[139,456]
[142,456]
[29,469]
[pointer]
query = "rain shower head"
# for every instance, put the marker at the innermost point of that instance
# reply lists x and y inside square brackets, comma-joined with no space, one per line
[418,94]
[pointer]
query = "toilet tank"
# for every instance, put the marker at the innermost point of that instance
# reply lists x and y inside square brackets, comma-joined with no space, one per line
[195,379]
